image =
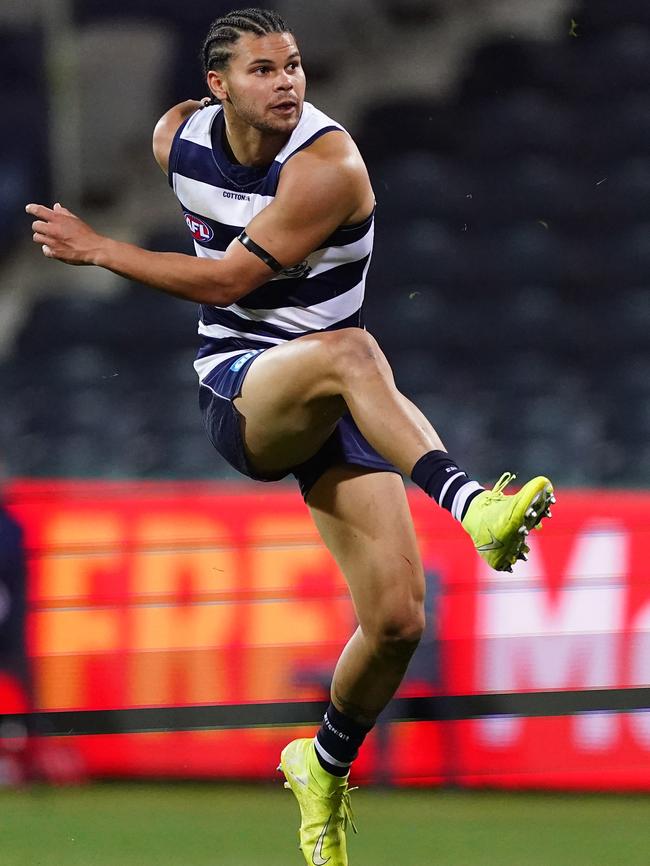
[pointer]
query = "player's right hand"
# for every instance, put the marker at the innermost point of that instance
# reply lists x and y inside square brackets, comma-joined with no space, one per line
[63,236]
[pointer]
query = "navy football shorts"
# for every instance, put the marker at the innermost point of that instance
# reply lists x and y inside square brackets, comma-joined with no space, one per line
[224,383]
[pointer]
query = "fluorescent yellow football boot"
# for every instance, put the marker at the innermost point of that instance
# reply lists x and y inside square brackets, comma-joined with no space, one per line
[324,802]
[499,524]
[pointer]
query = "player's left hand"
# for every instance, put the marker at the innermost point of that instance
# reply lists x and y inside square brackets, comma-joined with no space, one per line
[63,236]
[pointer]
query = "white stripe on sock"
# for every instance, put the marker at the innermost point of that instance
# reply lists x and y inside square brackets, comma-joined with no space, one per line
[445,486]
[325,755]
[461,498]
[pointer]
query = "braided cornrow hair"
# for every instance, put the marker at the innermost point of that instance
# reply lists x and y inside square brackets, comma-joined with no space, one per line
[223,32]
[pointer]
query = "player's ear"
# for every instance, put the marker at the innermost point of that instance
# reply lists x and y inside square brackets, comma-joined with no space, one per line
[217,85]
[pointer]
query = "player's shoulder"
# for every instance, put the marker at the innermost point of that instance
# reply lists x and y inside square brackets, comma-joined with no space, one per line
[334,145]
[319,139]
[168,126]
[328,173]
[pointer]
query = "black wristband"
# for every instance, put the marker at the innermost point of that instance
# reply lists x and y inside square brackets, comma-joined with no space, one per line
[267,258]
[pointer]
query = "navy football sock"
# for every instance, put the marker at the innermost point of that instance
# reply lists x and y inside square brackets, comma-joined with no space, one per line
[338,741]
[439,476]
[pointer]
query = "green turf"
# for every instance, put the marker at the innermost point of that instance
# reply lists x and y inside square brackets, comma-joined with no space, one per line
[204,825]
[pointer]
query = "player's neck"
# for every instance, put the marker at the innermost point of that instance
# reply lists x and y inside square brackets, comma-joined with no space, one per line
[249,146]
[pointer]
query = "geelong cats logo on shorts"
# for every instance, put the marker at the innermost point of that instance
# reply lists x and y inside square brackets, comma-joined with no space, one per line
[199,230]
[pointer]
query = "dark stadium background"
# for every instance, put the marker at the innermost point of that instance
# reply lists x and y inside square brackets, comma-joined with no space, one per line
[181,621]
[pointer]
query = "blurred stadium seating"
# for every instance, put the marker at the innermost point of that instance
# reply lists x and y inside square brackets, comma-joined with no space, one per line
[513,252]
[510,285]
[24,169]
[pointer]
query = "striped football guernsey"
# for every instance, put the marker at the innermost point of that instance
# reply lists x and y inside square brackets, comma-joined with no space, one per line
[219,199]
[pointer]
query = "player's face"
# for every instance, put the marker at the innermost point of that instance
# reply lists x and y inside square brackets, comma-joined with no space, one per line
[264,82]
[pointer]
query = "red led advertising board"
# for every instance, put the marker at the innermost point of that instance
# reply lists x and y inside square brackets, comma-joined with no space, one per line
[155,595]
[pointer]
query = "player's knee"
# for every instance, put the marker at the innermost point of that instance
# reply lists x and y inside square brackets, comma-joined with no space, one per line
[354,353]
[398,632]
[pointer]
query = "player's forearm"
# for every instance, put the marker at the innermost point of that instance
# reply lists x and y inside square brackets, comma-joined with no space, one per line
[203,281]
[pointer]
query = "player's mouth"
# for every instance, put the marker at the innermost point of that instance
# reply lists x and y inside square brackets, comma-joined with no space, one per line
[286,107]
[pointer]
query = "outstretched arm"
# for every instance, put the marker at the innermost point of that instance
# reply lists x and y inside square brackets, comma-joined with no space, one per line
[321,188]
[65,237]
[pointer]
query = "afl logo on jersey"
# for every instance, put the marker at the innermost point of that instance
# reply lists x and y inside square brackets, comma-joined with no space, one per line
[199,230]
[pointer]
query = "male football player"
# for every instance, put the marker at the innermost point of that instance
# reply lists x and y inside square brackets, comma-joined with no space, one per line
[278,200]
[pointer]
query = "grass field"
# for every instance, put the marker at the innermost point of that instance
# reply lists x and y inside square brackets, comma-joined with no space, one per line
[205,825]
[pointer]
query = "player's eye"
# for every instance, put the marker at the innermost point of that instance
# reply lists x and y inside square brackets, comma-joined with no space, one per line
[261,70]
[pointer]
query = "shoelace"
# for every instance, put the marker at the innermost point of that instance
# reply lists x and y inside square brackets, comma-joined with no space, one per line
[343,798]
[502,483]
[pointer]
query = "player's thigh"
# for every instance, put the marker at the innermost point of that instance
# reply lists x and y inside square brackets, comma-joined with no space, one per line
[288,402]
[365,520]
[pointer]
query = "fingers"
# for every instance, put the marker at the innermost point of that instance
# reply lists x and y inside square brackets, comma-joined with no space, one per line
[40,211]
[45,213]
[58,232]
[43,232]
[45,247]
[47,250]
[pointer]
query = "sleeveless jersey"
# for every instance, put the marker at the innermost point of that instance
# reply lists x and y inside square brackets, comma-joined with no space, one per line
[219,199]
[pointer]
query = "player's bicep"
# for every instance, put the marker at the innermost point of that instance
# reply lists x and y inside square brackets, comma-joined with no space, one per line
[275,239]
[308,207]
[316,194]
[241,271]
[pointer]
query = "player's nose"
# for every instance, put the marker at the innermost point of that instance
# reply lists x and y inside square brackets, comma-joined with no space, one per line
[283,81]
